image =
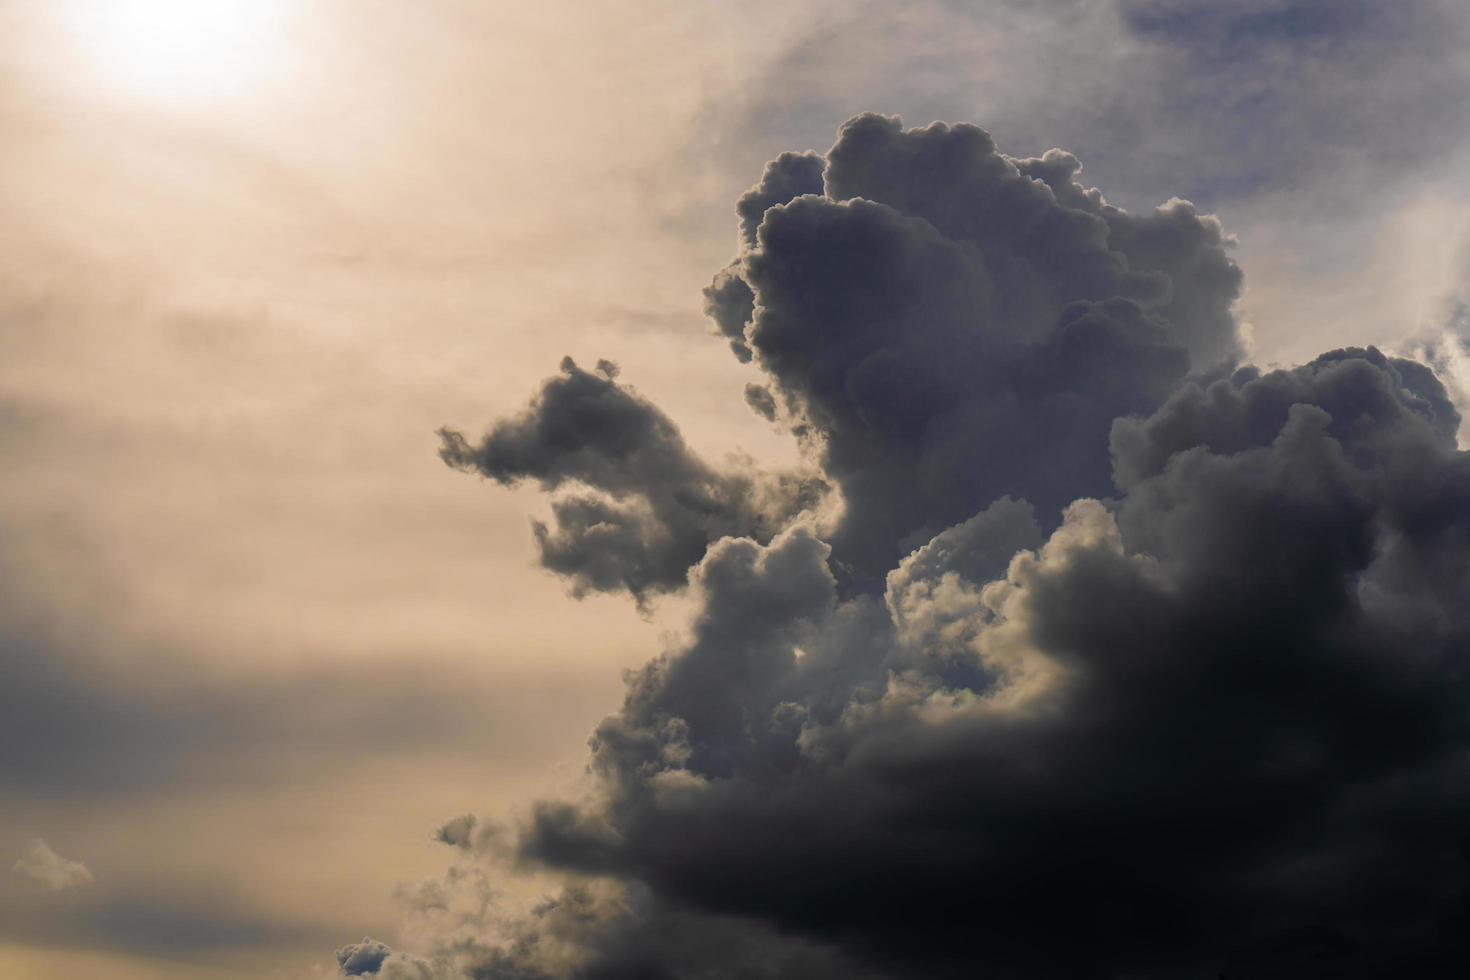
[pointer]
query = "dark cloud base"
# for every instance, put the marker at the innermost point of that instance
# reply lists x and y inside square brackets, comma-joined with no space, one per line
[1105,655]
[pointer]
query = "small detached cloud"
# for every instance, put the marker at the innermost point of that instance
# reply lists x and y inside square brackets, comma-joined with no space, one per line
[371,958]
[44,866]
[635,508]
[458,832]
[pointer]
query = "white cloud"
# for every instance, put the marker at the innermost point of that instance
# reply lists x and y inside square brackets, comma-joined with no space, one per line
[43,865]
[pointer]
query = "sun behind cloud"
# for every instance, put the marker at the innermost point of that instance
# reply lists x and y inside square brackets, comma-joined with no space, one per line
[180,51]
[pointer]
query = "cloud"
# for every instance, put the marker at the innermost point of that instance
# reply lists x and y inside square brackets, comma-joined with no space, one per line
[1449,356]
[637,506]
[43,865]
[1123,658]
[936,294]
[371,958]
[1225,717]
[941,295]
[66,732]
[362,958]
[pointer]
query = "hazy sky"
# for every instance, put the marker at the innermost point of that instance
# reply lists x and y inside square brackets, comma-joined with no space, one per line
[257,642]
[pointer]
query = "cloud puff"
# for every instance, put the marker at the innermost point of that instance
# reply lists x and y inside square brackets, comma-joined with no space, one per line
[948,325]
[637,506]
[1226,719]
[371,958]
[43,865]
[1122,660]
[459,832]
[364,958]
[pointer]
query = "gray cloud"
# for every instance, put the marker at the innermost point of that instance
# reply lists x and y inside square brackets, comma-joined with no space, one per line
[1123,660]
[362,958]
[1221,729]
[941,296]
[935,295]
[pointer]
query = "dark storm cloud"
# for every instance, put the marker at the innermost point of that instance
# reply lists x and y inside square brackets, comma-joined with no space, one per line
[642,940]
[362,958]
[730,304]
[1237,725]
[789,176]
[944,324]
[639,506]
[371,958]
[1355,87]
[728,301]
[761,401]
[952,325]
[1156,666]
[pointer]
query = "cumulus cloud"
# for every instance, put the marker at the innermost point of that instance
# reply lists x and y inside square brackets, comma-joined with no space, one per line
[371,958]
[948,325]
[1445,349]
[941,323]
[1122,658]
[45,867]
[637,506]
[459,832]
[1225,101]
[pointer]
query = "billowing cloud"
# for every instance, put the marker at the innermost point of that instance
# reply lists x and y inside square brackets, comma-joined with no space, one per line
[362,958]
[639,506]
[943,325]
[1121,659]
[371,958]
[44,866]
[950,325]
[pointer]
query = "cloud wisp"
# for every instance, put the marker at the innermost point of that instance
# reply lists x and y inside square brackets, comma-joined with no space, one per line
[44,866]
[1103,653]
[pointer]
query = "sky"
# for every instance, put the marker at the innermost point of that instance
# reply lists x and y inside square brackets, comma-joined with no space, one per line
[865,550]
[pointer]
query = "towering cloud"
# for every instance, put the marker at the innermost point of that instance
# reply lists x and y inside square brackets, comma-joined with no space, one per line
[1121,659]
[950,325]
[941,324]
[371,958]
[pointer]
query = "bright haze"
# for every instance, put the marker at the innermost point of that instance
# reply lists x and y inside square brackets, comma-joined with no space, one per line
[584,491]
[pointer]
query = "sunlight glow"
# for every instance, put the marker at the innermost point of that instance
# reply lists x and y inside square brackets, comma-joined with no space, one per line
[180,50]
